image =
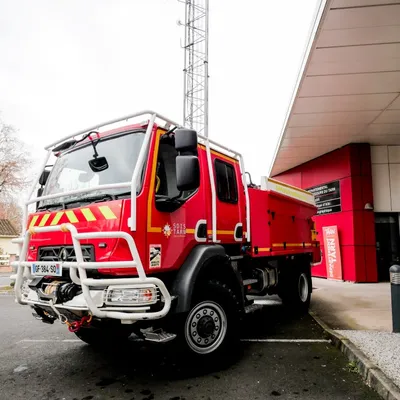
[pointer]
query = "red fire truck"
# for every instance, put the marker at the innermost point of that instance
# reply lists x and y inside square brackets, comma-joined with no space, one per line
[153,230]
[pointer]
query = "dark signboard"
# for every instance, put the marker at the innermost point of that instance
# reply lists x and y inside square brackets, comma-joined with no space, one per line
[327,197]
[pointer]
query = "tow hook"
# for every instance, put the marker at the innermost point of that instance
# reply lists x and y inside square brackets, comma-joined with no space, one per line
[73,326]
[76,325]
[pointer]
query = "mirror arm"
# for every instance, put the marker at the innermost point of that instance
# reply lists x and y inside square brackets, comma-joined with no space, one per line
[96,154]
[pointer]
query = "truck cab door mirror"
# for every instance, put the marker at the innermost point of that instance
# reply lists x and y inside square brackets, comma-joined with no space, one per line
[39,194]
[43,177]
[187,173]
[186,141]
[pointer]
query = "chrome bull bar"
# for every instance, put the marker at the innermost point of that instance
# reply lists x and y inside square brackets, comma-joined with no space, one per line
[129,313]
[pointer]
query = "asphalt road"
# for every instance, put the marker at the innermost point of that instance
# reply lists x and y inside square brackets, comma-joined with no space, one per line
[46,362]
[4,280]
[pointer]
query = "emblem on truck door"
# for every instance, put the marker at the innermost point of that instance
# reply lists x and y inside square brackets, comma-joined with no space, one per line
[167,230]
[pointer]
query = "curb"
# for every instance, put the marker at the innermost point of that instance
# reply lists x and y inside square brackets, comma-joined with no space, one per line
[372,374]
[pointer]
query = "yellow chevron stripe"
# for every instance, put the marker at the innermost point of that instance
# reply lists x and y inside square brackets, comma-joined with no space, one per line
[57,218]
[107,212]
[44,219]
[71,216]
[34,220]
[87,213]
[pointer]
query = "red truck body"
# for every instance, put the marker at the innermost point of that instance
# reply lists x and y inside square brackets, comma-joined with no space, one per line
[281,224]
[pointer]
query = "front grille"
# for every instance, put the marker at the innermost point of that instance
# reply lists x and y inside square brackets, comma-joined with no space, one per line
[53,253]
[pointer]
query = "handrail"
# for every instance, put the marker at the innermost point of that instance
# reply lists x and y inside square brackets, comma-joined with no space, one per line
[135,174]
[233,154]
[113,121]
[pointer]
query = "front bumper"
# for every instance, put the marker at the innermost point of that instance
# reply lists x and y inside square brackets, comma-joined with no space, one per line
[92,299]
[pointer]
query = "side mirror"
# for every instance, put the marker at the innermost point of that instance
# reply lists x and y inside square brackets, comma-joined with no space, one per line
[187,173]
[43,177]
[186,141]
[98,164]
[39,193]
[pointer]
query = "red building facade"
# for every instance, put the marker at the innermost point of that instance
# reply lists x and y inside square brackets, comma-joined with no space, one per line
[347,172]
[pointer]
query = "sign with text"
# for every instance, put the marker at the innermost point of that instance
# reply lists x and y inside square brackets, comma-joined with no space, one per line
[327,197]
[332,253]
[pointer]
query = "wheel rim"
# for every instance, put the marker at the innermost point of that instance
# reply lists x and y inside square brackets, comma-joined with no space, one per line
[206,327]
[303,287]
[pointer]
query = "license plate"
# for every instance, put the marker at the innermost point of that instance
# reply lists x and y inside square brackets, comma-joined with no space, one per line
[50,269]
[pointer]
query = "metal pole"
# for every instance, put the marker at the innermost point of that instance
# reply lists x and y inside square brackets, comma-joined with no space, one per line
[196,65]
[185,65]
[395,291]
[206,74]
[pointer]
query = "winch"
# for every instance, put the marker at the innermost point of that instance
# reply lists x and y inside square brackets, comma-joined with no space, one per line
[58,291]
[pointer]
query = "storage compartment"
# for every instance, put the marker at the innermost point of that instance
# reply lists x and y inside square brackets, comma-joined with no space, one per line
[280,221]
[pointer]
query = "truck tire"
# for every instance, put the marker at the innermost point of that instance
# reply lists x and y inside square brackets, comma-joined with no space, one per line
[103,336]
[295,290]
[211,328]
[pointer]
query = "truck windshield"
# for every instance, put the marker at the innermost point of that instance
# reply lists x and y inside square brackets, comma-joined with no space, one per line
[71,170]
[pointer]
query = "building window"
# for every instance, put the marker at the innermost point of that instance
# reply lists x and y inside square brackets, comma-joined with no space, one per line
[226,182]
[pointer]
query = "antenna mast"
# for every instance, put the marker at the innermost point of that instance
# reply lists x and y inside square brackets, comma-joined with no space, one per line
[195,107]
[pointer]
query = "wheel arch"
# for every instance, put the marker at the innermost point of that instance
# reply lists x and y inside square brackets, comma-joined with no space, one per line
[204,263]
[300,261]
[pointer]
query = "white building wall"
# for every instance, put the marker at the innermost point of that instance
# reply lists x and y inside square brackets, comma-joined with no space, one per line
[8,247]
[386,178]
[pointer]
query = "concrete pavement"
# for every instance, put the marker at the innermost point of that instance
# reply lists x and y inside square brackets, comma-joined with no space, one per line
[5,280]
[344,305]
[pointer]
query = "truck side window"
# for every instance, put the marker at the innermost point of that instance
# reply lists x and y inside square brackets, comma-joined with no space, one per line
[226,182]
[165,179]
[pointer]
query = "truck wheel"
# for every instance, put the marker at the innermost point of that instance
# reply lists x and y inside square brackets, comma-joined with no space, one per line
[296,290]
[100,336]
[212,325]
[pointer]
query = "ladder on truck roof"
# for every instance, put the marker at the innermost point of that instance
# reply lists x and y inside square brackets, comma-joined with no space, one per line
[287,190]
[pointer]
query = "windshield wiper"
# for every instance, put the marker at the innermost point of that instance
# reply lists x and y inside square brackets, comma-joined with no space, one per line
[118,195]
[52,205]
[92,199]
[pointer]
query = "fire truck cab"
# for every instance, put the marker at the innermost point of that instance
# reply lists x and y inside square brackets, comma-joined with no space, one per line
[148,228]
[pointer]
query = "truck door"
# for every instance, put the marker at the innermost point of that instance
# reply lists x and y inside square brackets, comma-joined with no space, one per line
[228,185]
[172,215]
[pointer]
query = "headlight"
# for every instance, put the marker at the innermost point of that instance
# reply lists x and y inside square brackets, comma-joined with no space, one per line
[131,295]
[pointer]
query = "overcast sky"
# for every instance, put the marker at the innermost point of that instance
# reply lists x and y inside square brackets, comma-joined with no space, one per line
[69,64]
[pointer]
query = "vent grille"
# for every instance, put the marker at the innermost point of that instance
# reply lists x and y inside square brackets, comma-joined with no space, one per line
[54,253]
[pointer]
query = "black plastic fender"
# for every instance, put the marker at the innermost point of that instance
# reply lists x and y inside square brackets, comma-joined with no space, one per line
[186,278]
